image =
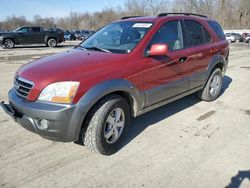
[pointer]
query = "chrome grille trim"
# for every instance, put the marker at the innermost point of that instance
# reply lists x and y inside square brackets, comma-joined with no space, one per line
[22,86]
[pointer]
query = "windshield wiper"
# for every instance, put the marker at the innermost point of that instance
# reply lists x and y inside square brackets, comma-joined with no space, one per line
[98,48]
[80,47]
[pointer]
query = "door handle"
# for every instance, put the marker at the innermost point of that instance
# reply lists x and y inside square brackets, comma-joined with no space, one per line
[182,59]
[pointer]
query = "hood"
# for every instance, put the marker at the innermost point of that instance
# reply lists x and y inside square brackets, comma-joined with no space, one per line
[72,65]
[68,66]
[6,33]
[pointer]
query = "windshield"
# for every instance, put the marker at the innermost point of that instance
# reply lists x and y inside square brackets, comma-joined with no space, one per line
[120,37]
[16,30]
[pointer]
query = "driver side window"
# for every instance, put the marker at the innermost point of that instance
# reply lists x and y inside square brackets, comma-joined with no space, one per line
[24,30]
[170,33]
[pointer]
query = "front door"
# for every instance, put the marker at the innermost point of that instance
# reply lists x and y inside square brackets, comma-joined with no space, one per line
[23,35]
[166,76]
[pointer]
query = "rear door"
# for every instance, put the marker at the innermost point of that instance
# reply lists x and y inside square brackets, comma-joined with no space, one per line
[36,35]
[165,76]
[200,51]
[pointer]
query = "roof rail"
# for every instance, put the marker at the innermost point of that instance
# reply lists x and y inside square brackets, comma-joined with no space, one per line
[181,13]
[126,17]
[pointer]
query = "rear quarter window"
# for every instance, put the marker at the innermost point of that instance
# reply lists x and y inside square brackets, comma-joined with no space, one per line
[217,29]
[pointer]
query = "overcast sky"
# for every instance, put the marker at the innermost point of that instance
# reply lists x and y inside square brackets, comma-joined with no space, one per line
[52,8]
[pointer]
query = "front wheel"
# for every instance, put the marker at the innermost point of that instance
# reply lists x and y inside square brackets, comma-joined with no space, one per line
[52,42]
[212,89]
[106,125]
[8,43]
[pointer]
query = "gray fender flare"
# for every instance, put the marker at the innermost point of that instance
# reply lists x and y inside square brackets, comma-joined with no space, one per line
[216,59]
[93,95]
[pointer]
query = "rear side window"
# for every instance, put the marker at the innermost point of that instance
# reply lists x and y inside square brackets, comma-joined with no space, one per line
[217,29]
[196,34]
[170,33]
[36,29]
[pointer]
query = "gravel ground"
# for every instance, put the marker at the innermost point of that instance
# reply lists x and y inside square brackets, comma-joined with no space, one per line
[188,143]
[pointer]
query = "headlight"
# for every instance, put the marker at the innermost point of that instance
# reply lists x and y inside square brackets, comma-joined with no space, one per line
[59,92]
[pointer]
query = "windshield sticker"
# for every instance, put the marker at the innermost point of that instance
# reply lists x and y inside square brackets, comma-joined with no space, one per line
[142,25]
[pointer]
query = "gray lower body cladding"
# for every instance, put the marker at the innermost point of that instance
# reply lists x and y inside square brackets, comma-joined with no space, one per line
[64,121]
[59,117]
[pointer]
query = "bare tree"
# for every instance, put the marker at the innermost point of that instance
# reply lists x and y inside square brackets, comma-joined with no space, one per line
[155,7]
[12,22]
[230,13]
[74,19]
[244,13]
[197,6]
[135,8]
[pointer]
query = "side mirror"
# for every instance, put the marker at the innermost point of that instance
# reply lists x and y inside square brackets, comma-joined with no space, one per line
[158,50]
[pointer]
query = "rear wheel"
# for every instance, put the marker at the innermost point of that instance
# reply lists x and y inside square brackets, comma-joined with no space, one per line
[106,125]
[8,43]
[212,89]
[52,42]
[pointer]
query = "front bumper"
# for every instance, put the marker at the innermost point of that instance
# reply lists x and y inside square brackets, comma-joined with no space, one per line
[61,119]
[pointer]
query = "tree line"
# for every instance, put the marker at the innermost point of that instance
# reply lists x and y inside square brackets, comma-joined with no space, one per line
[231,14]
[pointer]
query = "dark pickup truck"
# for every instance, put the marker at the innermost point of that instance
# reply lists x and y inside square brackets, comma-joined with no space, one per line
[30,35]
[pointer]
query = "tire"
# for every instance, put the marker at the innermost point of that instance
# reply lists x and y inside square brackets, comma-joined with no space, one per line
[99,134]
[212,89]
[52,42]
[8,44]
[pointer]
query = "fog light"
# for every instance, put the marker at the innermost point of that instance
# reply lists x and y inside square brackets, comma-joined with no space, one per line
[43,124]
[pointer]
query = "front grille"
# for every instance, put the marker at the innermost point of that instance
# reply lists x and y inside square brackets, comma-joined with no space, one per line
[22,86]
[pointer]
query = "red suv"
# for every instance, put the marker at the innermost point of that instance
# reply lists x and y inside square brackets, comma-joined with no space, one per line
[127,68]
